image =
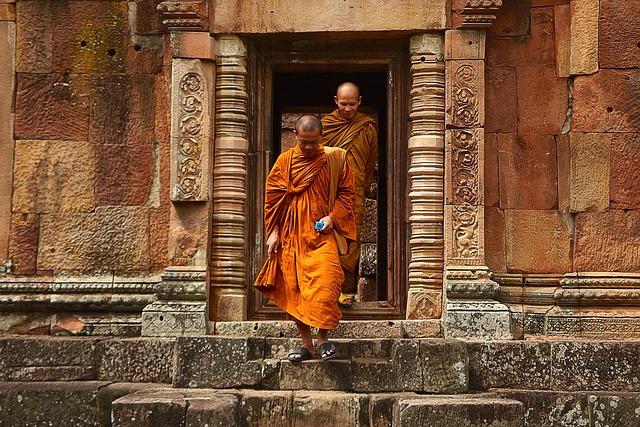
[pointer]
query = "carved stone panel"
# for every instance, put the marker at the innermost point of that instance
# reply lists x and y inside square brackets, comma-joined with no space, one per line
[465,94]
[192,89]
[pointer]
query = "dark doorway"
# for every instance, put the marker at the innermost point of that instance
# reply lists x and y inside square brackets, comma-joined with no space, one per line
[285,83]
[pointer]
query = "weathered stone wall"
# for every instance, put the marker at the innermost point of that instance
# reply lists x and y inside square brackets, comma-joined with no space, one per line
[91,132]
[561,192]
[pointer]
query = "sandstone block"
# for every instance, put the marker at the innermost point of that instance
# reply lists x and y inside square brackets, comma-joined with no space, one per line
[445,366]
[148,19]
[368,259]
[273,16]
[148,360]
[23,243]
[514,19]
[94,41]
[8,12]
[606,102]
[287,140]
[607,241]
[454,411]
[583,171]
[25,323]
[509,364]
[625,173]
[528,171]
[110,238]
[159,238]
[50,359]
[52,106]
[369,229]
[501,101]
[491,170]
[130,182]
[396,373]
[583,57]
[618,34]
[54,176]
[381,407]
[332,408]
[219,411]
[576,408]
[562,28]
[595,366]
[494,239]
[133,410]
[537,242]
[534,49]
[51,403]
[34,37]
[316,375]
[266,408]
[218,362]
[198,45]
[542,100]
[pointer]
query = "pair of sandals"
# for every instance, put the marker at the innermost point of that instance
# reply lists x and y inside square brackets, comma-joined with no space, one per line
[327,351]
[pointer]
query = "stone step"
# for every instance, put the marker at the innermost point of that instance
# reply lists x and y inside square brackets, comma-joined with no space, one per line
[346,329]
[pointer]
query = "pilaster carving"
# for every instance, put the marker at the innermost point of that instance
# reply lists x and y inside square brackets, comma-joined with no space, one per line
[185,14]
[228,248]
[426,168]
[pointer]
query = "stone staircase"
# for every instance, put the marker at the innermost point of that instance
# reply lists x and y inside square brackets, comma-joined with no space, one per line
[243,378]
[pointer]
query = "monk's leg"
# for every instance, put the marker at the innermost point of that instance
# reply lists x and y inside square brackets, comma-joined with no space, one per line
[305,333]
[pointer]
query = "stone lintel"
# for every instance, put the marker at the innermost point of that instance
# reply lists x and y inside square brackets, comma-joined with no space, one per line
[192,44]
[300,16]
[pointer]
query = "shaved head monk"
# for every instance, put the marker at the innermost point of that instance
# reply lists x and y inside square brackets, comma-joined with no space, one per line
[349,129]
[309,219]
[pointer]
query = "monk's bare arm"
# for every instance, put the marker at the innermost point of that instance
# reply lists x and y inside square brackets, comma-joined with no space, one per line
[343,210]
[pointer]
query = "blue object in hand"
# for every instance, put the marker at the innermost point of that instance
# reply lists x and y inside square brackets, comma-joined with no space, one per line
[319,225]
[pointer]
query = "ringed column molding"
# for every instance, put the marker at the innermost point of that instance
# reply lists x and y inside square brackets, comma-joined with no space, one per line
[181,297]
[471,309]
[426,170]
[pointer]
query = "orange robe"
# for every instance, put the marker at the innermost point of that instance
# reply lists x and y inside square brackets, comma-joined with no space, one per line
[359,137]
[305,277]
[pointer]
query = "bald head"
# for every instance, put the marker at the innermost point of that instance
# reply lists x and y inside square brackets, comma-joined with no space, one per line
[308,123]
[348,88]
[348,100]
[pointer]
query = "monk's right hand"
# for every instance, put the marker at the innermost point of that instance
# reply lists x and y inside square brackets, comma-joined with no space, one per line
[272,243]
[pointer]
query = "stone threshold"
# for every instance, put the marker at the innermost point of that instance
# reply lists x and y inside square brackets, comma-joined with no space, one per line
[352,329]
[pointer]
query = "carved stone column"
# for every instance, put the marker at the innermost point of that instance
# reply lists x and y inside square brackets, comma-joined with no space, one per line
[228,240]
[181,306]
[426,169]
[471,309]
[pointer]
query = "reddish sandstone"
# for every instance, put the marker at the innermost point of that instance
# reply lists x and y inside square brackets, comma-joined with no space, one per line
[607,241]
[608,101]
[501,109]
[8,12]
[491,196]
[562,25]
[159,238]
[537,242]
[513,19]
[23,243]
[542,100]
[624,187]
[52,106]
[619,34]
[536,48]
[494,239]
[528,171]
[33,38]
[123,174]
[148,17]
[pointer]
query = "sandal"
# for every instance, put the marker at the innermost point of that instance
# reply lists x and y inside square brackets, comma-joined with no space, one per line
[300,354]
[327,351]
[346,300]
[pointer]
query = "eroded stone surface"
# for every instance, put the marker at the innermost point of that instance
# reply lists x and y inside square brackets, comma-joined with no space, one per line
[625,172]
[54,176]
[607,241]
[537,241]
[34,41]
[324,375]
[221,411]
[501,113]
[23,243]
[445,366]
[136,360]
[266,408]
[507,364]
[338,409]
[111,238]
[542,100]
[584,37]
[618,34]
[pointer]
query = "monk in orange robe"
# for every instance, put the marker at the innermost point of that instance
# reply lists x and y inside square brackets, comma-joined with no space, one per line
[308,218]
[355,132]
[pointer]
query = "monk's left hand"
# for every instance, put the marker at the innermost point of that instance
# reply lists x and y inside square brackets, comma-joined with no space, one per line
[328,224]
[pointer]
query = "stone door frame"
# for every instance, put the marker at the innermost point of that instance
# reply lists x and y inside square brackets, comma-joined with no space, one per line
[445,215]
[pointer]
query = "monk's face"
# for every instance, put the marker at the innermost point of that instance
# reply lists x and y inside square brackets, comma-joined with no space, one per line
[309,142]
[348,101]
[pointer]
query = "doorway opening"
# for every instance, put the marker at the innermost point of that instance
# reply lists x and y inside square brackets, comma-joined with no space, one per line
[282,87]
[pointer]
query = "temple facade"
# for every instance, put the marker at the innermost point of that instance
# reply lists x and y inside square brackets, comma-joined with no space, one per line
[136,137]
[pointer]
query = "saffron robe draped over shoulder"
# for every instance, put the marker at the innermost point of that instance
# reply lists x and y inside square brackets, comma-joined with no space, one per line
[304,277]
[359,137]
